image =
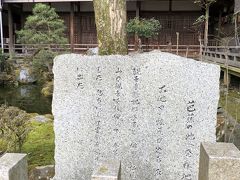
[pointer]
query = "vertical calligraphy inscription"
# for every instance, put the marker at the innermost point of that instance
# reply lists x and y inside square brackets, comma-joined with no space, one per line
[190,138]
[98,112]
[80,79]
[134,109]
[161,106]
[117,109]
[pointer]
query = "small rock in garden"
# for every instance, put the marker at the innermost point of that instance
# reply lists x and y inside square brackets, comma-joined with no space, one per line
[42,173]
[92,51]
[41,118]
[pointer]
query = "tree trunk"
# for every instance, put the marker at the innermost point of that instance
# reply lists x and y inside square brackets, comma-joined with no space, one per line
[111,17]
[206,26]
[201,47]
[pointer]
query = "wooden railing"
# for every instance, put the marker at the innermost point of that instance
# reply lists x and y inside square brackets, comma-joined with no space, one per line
[228,55]
[191,51]
[182,50]
[28,49]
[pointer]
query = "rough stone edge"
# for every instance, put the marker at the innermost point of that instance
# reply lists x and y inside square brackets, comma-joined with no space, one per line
[65,57]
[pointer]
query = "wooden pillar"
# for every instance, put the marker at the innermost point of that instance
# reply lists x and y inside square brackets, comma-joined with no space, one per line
[72,27]
[219,23]
[226,78]
[170,5]
[10,31]
[138,9]
[177,33]
[22,17]
[79,23]
[22,26]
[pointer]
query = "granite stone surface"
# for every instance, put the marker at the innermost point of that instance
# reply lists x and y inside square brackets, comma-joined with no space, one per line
[150,111]
[219,161]
[13,166]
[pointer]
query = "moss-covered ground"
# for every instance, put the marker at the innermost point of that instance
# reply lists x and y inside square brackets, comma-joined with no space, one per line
[39,145]
[233,103]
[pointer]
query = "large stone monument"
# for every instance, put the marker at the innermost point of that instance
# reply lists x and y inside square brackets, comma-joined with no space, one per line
[149,111]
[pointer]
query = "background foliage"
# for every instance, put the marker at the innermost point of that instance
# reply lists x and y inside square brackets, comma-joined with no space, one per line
[143,27]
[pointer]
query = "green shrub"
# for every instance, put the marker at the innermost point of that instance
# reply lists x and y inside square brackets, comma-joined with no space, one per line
[43,61]
[144,27]
[14,127]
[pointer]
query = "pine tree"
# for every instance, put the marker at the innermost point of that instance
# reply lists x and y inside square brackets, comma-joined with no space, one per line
[43,27]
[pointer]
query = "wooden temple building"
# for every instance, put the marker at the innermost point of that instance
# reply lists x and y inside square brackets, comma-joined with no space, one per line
[175,16]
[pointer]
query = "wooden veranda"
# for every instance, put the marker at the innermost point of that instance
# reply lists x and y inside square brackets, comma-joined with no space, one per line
[79,19]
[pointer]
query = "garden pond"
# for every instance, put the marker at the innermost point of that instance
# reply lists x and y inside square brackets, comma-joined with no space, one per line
[26,97]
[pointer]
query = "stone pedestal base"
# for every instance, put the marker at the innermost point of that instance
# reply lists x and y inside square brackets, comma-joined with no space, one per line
[107,171]
[13,167]
[219,161]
